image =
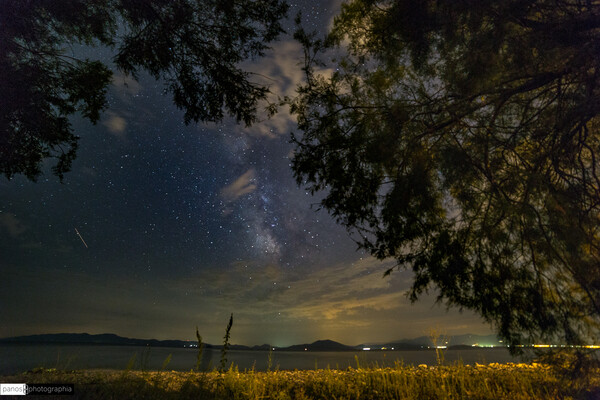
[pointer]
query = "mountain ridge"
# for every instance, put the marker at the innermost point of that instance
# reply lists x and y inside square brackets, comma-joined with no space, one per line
[319,345]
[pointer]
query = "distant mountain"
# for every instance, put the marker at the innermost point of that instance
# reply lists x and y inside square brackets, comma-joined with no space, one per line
[482,340]
[115,340]
[458,340]
[263,347]
[86,338]
[319,345]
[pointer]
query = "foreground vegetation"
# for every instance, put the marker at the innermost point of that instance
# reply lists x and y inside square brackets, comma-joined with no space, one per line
[493,381]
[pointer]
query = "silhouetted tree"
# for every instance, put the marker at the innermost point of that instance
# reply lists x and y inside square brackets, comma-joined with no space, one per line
[462,139]
[194,45]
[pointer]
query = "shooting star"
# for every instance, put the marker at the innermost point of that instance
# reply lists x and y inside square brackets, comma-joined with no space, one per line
[84,243]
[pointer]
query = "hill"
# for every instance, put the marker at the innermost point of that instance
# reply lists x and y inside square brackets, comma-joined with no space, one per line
[319,345]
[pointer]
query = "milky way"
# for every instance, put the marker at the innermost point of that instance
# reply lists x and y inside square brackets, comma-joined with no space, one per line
[186,224]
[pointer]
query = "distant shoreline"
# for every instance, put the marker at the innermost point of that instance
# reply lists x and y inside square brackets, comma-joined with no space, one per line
[462,341]
[246,348]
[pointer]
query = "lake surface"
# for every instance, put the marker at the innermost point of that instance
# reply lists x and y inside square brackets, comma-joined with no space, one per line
[15,358]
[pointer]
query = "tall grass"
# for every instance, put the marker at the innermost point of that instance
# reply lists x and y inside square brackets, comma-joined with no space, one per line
[226,343]
[438,339]
[493,381]
[200,348]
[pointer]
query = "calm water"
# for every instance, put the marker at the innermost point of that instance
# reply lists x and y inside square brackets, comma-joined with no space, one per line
[19,358]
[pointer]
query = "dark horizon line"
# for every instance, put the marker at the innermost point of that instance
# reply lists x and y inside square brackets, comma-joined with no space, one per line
[114,339]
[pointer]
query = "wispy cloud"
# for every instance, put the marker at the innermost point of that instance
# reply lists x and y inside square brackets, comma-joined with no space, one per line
[280,70]
[115,124]
[243,185]
[350,303]
[126,85]
[345,302]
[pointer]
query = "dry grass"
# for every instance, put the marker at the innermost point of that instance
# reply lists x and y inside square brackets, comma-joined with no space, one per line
[493,381]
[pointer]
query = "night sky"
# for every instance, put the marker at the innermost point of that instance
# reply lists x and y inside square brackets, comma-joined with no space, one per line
[184,225]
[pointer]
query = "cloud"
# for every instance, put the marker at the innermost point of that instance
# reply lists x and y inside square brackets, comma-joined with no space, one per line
[280,70]
[241,186]
[115,124]
[126,85]
[335,7]
[11,224]
[348,302]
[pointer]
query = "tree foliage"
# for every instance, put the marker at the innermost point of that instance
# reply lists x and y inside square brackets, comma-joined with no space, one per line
[194,45]
[462,139]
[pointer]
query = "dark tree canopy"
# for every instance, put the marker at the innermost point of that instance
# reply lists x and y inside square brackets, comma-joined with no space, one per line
[194,45]
[461,137]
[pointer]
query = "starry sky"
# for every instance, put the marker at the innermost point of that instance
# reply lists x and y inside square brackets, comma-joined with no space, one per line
[184,225]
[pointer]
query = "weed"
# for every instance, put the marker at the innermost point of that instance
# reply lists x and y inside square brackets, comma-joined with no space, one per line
[439,341]
[226,344]
[131,362]
[166,362]
[200,348]
[270,358]
[145,359]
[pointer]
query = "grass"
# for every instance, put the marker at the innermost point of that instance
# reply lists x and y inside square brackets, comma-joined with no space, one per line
[493,381]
